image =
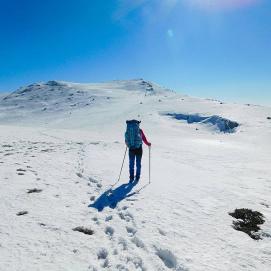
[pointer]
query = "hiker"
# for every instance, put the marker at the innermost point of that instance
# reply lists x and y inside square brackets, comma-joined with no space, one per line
[133,139]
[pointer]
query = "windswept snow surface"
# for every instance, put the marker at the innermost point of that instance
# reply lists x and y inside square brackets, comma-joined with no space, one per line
[61,149]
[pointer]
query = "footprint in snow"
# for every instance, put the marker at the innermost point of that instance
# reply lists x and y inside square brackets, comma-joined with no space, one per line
[109,231]
[108,218]
[127,216]
[105,264]
[96,220]
[92,180]
[167,257]
[136,261]
[138,242]
[79,174]
[131,231]
[123,243]
[162,232]
[102,254]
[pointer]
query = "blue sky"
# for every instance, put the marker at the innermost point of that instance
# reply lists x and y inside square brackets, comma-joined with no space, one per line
[207,48]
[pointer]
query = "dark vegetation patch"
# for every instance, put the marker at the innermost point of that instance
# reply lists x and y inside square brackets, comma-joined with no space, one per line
[54,83]
[97,143]
[148,86]
[269,118]
[222,124]
[22,213]
[248,221]
[84,230]
[6,146]
[47,150]
[21,170]
[34,190]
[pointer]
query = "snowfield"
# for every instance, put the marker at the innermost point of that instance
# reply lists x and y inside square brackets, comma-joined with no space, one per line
[61,149]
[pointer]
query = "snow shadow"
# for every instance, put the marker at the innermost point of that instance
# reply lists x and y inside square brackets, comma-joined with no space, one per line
[222,124]
[111,198]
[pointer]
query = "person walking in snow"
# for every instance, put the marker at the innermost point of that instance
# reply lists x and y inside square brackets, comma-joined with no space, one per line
[133,139]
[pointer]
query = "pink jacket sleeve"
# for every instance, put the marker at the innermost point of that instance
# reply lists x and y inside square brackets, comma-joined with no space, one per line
[144,138]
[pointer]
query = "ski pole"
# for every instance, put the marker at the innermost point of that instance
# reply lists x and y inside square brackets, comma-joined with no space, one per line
[122,165]
[149,164]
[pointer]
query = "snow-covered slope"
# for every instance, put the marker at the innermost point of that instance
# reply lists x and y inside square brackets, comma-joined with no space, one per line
[60,99]
[66,141]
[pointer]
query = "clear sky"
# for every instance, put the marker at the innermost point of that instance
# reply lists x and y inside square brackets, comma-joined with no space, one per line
[207,48]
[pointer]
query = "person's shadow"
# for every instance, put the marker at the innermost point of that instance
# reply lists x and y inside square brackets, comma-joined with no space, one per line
[111,197]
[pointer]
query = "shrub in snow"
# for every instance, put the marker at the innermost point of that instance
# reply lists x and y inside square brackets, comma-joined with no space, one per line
[248,222]
[34,190]
[84,230]
[22,213]
[54,83]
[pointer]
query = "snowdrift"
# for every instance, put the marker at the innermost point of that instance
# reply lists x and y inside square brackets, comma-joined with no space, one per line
[222,124]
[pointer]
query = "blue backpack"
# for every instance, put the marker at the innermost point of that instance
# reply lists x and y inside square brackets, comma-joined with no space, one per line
[133,137]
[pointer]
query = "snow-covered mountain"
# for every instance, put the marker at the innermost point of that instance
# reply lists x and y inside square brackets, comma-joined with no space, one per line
[58,99]
[61,149]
